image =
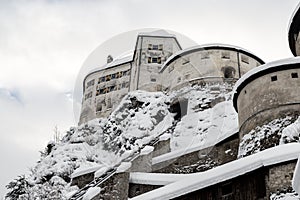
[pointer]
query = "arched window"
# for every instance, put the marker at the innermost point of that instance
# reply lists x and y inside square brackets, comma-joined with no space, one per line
[229,72]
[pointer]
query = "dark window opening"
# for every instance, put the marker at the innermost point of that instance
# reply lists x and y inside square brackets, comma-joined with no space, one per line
[226,189]
[294,75]
[155,47]
[273,78]
[179,108]
[229,72]
[245,92]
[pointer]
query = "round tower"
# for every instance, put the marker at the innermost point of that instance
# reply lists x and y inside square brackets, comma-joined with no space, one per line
[294,29]
[207,64]
[267,93]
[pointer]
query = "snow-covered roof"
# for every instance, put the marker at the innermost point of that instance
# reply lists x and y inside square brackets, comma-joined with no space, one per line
[296,177]
[207,47]
[85,169]
[121,59]
[157,33]
[279,65]
[197,181]
[181,152]
[293,27]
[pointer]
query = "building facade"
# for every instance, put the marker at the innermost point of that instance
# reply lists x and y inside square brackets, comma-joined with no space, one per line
[277,96]
[159,64]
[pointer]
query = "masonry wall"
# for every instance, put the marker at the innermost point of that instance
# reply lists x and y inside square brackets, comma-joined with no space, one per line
[148,61]
[250,186]
[212,63]
[273,99]
[115,188]
[103,91]
[279,177]
[201,160]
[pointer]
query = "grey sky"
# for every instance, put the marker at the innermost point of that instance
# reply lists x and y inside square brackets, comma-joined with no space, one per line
[44,43]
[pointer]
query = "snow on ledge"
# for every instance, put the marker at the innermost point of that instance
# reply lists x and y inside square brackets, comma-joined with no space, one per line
[123,167]
[296,178]
[193,148]
[146,150]
[91,193]
[224,172]
[85,170]
[155,178]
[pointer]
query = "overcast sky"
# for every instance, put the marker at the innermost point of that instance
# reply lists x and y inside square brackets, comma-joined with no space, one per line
[43,45]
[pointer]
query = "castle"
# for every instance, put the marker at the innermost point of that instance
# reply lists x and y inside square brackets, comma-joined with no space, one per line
[251,163]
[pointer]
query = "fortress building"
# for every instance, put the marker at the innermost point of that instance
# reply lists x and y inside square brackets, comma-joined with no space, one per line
[159,64]
[207,63]
[268,92]
[294,29]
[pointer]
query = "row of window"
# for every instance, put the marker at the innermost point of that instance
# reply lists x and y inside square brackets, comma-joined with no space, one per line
[224,55]
[293,75]
[154,60]
[105,90]
[108,89]
[158,47]
[109,77]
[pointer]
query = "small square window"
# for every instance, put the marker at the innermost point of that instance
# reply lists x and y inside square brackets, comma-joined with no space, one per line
[294,75]
[154,60]
[155,47]
[160,47]
[225,55]
[273,78]
[178,79]
[245,59]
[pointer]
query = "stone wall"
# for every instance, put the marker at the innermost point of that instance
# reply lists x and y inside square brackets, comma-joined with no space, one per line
[162,147]
[138,189]
[279,177]
[275,99]
[201,160]
[98,105]
[115,188]
[218,63]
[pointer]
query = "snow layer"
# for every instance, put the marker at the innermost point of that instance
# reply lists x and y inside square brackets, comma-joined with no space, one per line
[146,150]
[276,132]
[123,167]
[296,177]
[86,168]
[224,172]
[91,193]
[155,178]
[291,133]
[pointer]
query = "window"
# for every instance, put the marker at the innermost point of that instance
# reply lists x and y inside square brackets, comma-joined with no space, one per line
[160,47]
[229,72]
[178,79]
[185,61]
[273,78]
[113,76]
[90,83]
[154,60]
[204,55]
[294,75]
[107,77]
[226,189]
[187,76]
[88,95]
[245,59]
[152,78]
[171,68]
[225,55]
[155,47]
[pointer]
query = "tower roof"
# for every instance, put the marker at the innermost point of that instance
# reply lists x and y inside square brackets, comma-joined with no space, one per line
[209,47]
[279,65]
[294,28]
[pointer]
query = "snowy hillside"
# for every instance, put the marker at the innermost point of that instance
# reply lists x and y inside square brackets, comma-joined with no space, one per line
[141,117]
